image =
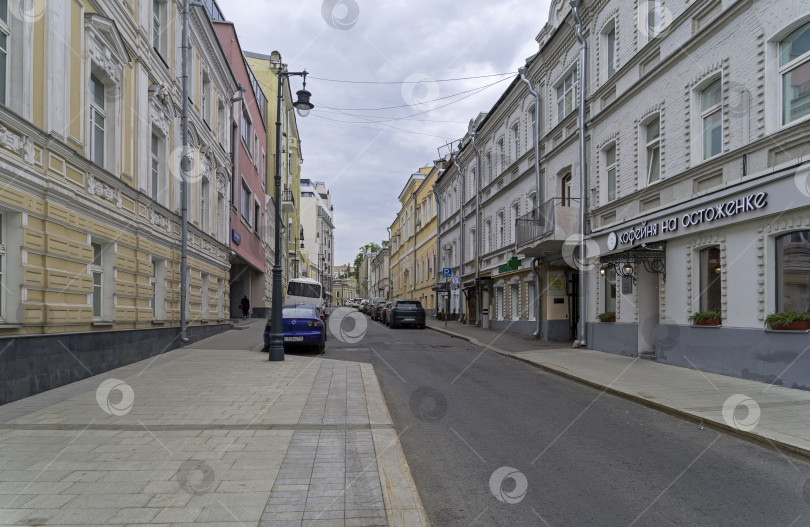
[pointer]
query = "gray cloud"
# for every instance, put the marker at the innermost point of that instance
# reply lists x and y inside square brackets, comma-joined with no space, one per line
[365,165]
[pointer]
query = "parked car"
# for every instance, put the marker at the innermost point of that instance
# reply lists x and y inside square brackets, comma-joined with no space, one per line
[376,313]
[363,306]
[302,326]
[407,312]
[385,312]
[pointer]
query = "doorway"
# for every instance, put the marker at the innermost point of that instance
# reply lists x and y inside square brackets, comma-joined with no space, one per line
[573,304]
[648,310]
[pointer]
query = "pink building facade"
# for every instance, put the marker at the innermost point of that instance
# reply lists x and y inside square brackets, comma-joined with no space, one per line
[248,179]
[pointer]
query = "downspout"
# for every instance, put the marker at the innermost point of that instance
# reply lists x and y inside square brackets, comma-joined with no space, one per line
[237,182]
[583,55]
[461,225]
[413,251]
[184,183]
[388,294]
[438,237]
[538,182]
[478,293]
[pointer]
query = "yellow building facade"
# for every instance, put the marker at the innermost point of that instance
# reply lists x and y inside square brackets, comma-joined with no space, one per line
[413,241]
[90,178]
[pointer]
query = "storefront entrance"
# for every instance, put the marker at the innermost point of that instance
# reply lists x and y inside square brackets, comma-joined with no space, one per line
[648,309]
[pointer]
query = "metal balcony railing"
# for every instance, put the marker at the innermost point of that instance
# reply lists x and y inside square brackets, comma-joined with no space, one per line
[287,198]
[539,222]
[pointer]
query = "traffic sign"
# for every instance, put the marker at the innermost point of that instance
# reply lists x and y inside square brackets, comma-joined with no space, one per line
[455,280]
[447,272]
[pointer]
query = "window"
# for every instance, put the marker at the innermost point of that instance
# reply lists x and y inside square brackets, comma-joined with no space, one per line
[159,289]
[610,290]
[487,235]
[651,21]
[610,50]
[489,167]
[565,190]
[513,230]
[516,139]
[156,25]
[793,272]
[155,168]
[499,301]
[3,285]
[97,272]
[499,225]
[205,206]
[533,124]
[710,274]
[247,130]
[566,92]
[610,168]
[222,125]
[501,159]
[97,121]
[652,134]
[711,115]
[159,27]
[530,301]
[206,296]
[205,99]
[220,299]
[246,201]
[514,299]
[256,149]
[257,212]
[794,71]
[4,38]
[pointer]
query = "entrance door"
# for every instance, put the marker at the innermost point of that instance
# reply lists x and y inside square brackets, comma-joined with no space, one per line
[573,304]
[648,313]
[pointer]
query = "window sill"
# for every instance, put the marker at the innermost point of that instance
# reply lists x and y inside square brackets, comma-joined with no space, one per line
[10,326]
[102,323]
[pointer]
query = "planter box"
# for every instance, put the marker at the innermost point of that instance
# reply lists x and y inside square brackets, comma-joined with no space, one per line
[611,319]
[712,322]
[793,326]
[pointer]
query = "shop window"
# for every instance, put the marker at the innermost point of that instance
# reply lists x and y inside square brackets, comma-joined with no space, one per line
[793,272]
[499,303]
[531,301]
[710,275]
[794,71]
[514,298]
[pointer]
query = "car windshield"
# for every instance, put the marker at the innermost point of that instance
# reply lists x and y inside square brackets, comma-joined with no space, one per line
[304,289]
[297,312]
[409,306]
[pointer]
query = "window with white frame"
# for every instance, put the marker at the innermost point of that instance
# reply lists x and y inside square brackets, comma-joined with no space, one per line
[489,168]
[206,296]
[205,99]
[160,28]
[609,45]
[651,19]
[487,242]
[499,226]
[610,171]
[566,95]
[501,156]
[159,289]
[98,120]
[256,149]
[530,301]
[533,124]
[711,117]
[516,140]
[154,167]
[205,205]
[5,37]
[651,134]
[220,298]
[609,285]
[513,230]
[247,201]
[101,272]
[794,73]
[222,125]
[247,130]
[514,300]
[499,303]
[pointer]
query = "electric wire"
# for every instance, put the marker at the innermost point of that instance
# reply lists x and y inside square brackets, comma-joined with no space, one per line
[412,82]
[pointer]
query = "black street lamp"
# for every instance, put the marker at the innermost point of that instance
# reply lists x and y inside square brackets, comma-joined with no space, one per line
[303,106]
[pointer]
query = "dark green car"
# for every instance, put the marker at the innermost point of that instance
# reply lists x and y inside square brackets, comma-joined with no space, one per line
[407,312]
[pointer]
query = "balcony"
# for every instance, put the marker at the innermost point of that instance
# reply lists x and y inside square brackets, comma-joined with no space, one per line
[544,229]
[287,201]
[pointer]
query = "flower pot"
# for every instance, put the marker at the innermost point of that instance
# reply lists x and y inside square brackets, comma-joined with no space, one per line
[611,319]
[803,325]
[709,322]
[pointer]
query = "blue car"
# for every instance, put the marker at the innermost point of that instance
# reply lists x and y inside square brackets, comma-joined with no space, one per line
[302,325]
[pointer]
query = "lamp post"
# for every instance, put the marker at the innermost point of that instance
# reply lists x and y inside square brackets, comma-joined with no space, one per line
[303,106]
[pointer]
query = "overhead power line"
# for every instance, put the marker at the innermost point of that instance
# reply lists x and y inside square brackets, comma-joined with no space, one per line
[412,82]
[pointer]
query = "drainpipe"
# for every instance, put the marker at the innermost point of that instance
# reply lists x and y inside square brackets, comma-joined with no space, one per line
[583,56]
[461,224]
[413,251]
[389,262]
[438,239]
[184,183]
[477,245]
[538,191]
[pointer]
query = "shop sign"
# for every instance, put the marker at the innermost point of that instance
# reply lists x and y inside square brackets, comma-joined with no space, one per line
[512,265]
[670,225]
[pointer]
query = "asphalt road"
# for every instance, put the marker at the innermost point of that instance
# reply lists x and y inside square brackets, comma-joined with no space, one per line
[582,457]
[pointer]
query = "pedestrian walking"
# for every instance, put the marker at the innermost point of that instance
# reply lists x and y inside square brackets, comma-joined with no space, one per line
[245,305]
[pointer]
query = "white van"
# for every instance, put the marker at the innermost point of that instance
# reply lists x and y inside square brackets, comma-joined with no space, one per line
[304,291]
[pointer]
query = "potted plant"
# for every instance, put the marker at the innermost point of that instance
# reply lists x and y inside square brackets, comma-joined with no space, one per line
[788,321]
[706,318]
[607,316]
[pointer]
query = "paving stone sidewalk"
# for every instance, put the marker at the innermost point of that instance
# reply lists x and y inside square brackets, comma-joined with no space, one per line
[214,434]
[777,416]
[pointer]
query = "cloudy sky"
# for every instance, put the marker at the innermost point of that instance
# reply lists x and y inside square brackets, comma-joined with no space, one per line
[398,49]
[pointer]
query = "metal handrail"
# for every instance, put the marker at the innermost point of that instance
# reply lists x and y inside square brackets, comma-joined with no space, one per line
[539,221]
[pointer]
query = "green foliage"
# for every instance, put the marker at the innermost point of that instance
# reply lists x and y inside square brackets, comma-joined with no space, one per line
[705,316]
[606,316]
[366,249]
[788,317]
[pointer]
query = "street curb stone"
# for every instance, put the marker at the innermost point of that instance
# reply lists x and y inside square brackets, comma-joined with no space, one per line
[664,408]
